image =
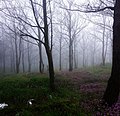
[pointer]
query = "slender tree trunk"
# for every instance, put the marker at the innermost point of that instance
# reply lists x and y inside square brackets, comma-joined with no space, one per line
[4,59]
[75,57]
[41,64]
[29,61]
[23,62]
[70,52]
[16,54]
[12,57]
[103,44]
[93,54]
[70,43]
[60,55]
[48,50]
[83,57]
[4,54]
[113,88]
[60,50]
[13,61]
[70,58]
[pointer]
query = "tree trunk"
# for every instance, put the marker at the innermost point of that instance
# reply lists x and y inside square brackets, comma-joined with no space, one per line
[103,44]
[47,47]
[60,50]
[83,57]
[4,58]
[41,64]
[29,61]
[70,57]
[70,42]
[75,56]
[60,55]
[12,57]
[51,69]
[112,91]
[16,54]
[23,62]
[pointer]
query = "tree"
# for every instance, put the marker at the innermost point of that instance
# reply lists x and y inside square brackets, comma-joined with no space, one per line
[23,57]
[46,40]
[104,39]
[72,29]
[112,91]
[17,42]
[48,49]
[29,56]
[60,49]
[84,47]
[34,23]
[41,64]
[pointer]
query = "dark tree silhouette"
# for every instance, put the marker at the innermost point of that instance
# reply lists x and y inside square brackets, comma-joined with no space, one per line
[112,91]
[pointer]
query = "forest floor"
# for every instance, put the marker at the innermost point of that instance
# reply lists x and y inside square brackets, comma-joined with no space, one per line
[78,93]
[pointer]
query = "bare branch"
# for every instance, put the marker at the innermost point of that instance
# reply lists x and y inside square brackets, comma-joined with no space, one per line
[36,17]
[24,34]
[90,10]
[29,41]
[27,22]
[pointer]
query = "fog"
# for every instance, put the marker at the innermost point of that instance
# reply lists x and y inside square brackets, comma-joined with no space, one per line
[77,39]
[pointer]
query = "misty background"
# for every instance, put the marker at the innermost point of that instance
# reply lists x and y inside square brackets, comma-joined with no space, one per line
[78,39]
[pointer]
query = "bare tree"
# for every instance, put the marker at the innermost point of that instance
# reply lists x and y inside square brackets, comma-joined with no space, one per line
[112,91]
[44,30]
[72,29]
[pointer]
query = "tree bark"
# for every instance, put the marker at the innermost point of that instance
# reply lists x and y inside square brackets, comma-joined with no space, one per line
[16,54]
[4,58]
[47,48]
[70,44]
[23,58]
[70,58]
[112,91]
[41,64]
[60,55]
[29,60]
[75,56]
[103,44]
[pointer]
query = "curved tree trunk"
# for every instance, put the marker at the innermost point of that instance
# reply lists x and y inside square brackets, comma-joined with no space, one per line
[112,91]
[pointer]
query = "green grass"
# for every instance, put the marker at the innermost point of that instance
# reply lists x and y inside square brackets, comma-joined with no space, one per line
[16,90]
[97,71]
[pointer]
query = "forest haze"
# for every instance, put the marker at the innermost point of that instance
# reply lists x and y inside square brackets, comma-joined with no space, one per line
[79,40]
